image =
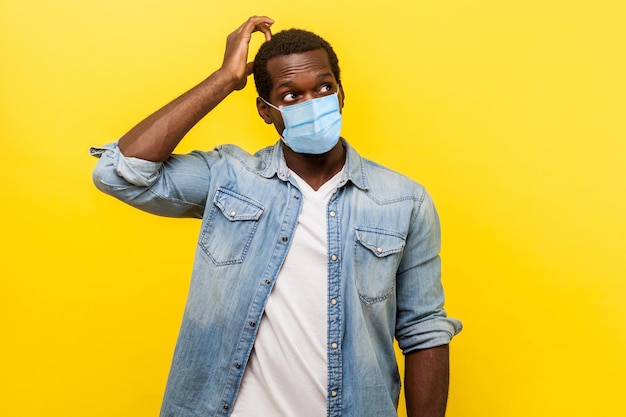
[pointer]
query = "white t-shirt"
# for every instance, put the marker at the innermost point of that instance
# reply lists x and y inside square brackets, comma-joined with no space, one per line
[287,374]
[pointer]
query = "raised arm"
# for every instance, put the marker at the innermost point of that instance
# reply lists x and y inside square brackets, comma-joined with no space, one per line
[156,137]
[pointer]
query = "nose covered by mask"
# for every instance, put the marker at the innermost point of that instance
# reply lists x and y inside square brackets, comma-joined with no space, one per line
[313,126]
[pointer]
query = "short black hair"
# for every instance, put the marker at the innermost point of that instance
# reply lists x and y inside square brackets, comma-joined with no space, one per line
[287,42]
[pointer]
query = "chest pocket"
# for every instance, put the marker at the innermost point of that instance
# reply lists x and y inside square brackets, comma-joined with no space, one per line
[229,228]
[377,256]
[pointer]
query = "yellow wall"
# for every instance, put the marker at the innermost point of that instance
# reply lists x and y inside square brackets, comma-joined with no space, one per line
[510,112]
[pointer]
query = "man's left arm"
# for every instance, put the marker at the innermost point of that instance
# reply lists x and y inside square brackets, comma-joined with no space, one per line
[423,328]
[426,379]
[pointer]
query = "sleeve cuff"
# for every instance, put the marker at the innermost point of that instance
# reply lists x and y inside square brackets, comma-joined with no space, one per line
[134,170]
[433,333]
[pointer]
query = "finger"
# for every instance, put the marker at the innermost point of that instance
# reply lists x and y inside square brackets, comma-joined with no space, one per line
[256,20]
[261,24]
[249,68]
[266,30]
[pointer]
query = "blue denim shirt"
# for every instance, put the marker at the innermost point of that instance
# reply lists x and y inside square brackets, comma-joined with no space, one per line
[383,270]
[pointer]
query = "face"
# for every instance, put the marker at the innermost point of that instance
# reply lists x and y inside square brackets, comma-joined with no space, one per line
[297,78]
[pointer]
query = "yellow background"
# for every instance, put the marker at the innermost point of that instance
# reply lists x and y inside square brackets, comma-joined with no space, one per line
[510,112]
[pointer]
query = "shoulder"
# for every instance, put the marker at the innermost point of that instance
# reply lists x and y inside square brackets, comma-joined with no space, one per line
[381,183]
[387,184]
[230,154]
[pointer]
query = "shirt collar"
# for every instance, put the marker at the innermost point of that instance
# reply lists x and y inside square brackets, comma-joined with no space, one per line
[275,165]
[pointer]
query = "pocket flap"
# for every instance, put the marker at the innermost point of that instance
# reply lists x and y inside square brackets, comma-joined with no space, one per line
[379,241]
[236,207]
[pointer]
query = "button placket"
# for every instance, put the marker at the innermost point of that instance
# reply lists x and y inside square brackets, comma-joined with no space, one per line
[335,313]
[264,283]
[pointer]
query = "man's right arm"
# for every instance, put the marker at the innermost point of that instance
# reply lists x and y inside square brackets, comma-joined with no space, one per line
[156,137]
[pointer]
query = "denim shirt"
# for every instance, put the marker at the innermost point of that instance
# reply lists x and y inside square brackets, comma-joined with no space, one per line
[383,270]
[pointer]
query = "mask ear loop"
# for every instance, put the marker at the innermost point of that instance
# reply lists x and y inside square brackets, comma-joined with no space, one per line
[281,112]
[270,104]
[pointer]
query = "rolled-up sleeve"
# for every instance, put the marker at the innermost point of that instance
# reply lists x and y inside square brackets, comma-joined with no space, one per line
[134,170]
[422,321]
[173,188]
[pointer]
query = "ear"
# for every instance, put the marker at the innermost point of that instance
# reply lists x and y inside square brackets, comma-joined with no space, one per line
[341,95]
[264,111]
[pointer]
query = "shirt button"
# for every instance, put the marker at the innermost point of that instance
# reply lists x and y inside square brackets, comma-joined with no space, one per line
[233,213]
[333,214]
[296,197]
[333,345]
[333,301]
[379,250]
[334,257]
[252,324]
[225,406]
[333,393]
[285,238]
[238,365]
[268,282]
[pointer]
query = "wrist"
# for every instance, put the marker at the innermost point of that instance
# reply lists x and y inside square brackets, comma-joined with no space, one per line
[229,80]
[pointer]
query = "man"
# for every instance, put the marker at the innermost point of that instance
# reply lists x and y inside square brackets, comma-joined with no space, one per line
[310,259]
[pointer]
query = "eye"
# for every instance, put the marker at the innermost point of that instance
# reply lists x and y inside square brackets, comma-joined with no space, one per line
[325,88]
[289,97]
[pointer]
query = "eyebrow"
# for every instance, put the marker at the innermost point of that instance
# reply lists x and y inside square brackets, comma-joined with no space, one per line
[289,82]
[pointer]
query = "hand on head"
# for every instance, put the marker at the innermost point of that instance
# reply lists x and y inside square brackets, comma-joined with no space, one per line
[237,45]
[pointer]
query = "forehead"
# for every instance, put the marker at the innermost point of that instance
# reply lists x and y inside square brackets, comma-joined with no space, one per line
[285,68]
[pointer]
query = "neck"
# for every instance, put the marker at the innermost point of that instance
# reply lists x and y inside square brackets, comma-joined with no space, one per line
[316,169]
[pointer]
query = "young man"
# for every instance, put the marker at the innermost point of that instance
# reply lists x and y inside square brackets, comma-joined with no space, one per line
[310,259]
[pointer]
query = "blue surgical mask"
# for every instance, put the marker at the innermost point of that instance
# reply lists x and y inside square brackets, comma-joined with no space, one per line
[312,126]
